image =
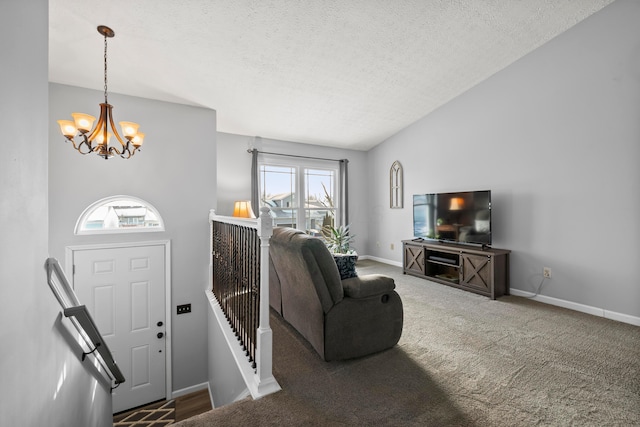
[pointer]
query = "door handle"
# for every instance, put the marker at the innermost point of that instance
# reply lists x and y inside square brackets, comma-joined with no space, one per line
[160,323]
[160,335]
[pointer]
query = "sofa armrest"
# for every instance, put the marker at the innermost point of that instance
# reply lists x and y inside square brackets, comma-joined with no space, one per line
[367,285]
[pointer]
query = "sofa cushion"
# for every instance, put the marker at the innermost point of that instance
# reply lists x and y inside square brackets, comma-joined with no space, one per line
[365,286]
[296,253]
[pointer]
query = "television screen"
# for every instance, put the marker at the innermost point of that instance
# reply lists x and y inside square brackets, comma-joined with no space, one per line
[463,217]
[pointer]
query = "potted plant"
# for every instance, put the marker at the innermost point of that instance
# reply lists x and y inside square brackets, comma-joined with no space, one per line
[338,240]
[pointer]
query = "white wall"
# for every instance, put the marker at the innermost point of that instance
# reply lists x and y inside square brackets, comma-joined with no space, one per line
[175,172]
[556,138]
[226,384]
[44,382]
[234,176]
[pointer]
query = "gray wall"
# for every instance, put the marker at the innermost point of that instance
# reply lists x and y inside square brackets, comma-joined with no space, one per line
[556,138]
[44,381]
[175,172]
[234,176]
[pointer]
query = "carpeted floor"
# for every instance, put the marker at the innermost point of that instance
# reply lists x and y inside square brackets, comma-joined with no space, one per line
[463,360]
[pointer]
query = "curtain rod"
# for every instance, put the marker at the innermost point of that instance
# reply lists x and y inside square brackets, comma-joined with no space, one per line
[294,155]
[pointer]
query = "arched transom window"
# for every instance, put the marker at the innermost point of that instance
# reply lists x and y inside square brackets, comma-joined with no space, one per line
[119,214]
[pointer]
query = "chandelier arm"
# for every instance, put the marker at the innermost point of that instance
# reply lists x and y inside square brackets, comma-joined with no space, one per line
[113,127]
[73,142]
[128,154]
[101,122]
[78,147]
[113,151]
[87,142]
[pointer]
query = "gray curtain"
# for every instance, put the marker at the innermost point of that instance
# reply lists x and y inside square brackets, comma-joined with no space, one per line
[344,192]
[255,186]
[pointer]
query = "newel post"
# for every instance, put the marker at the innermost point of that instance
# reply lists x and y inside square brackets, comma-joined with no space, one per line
[265,381]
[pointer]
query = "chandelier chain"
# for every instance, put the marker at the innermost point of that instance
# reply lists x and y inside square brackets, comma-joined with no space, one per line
[105,69]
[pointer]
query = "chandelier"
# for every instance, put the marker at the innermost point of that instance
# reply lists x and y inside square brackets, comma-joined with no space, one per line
[97,140]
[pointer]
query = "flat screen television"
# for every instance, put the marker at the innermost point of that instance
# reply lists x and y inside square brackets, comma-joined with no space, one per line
[461,217]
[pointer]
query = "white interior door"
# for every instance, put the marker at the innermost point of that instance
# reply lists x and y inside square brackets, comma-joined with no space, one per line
[124,290]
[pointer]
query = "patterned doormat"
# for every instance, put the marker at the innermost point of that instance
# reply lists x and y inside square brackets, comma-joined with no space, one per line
[155,415]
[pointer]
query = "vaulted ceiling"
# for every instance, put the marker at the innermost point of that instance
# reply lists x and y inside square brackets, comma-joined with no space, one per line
[343,73]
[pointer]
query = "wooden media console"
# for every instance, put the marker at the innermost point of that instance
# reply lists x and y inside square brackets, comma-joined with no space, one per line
[484,271]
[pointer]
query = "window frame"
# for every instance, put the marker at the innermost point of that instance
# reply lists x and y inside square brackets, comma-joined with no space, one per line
[301,165]
[84,216]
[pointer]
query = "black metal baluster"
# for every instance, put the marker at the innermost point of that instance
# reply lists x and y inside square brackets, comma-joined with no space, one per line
[236,280]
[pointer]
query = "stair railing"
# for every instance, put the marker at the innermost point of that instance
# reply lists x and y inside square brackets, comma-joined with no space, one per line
[82,320]
[239,277]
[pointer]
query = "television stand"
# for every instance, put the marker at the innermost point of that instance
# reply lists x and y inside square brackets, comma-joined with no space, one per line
[482,270]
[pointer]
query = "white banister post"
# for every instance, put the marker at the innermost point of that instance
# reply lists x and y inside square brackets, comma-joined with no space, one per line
[265,230]
[212,214]
[265,381]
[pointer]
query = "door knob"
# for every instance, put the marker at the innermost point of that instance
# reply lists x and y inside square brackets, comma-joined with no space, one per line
[160,323]
[160,335]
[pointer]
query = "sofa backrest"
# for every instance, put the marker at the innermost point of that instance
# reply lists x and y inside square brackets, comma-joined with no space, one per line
[298,257]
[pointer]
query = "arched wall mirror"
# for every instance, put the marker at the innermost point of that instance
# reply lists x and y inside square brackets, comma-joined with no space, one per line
[395,186]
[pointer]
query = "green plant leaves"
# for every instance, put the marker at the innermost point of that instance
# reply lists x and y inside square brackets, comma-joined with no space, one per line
[338,239]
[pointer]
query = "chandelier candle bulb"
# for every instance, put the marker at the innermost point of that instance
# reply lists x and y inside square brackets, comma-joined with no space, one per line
[100,138]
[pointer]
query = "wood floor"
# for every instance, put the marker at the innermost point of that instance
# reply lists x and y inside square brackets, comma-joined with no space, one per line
[192,404]
[186,406]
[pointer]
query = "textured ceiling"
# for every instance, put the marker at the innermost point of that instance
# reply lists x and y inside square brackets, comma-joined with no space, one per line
[343,73]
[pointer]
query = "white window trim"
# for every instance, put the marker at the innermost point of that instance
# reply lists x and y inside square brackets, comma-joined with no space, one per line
[78,230]
[300,164]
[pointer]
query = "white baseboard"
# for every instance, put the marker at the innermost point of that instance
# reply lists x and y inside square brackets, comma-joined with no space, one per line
[620,317]
[607,314]
[191,389]
[382,260]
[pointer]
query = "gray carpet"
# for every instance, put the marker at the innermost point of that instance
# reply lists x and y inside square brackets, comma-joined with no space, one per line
[463,360]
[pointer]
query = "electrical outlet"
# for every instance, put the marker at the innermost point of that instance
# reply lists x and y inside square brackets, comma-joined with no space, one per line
[392,246]
[378,244]
[546,272]
[184,308]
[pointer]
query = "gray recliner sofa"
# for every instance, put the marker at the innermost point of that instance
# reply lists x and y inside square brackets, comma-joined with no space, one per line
[341,319]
